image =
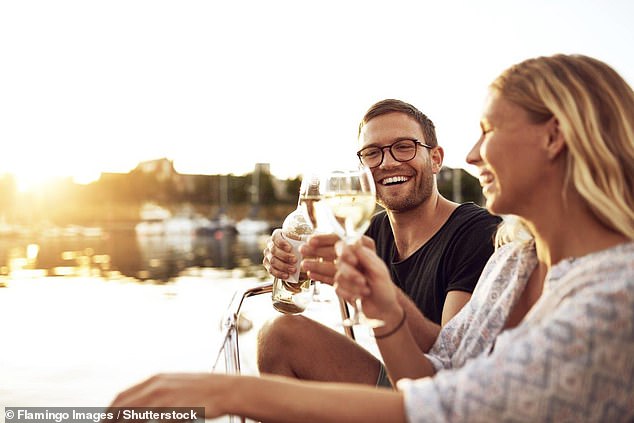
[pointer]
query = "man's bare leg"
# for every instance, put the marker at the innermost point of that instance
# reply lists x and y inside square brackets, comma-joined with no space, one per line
[299,347]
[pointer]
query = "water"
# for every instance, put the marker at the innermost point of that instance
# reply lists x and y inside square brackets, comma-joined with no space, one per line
[121,313]
[78,341]
[120,309]
[123,253]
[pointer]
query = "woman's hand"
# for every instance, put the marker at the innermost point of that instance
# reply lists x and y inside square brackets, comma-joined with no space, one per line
[362,274]
[176,390]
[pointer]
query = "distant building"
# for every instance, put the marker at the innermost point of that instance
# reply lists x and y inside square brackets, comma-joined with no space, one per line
[163,168]
[262,168]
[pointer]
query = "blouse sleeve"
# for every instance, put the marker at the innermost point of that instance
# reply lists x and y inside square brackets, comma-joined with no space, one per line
[467,324]
[575,364]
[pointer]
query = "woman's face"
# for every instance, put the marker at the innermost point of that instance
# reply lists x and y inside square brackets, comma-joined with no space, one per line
[510,157]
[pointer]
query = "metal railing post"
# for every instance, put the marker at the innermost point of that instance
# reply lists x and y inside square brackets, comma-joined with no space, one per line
[229,343]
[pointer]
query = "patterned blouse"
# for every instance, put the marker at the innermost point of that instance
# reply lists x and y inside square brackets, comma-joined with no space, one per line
[571,359]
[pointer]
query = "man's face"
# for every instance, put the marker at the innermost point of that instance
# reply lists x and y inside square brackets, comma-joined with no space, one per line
[400,186]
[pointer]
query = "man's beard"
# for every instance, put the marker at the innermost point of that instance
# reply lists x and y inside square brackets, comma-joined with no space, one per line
[403,203]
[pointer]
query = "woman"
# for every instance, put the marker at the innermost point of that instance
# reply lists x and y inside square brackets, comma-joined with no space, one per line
[549,332]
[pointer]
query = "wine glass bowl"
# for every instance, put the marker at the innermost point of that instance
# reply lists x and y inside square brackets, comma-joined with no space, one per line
[310,196]
[350,195]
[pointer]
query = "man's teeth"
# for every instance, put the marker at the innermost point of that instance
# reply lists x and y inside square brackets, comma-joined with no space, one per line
[394,180]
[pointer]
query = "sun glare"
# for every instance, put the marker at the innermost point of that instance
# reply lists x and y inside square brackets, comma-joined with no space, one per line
[29,182]
[85,178]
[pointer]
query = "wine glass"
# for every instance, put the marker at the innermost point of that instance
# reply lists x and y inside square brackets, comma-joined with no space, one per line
[350,195]
[310,195]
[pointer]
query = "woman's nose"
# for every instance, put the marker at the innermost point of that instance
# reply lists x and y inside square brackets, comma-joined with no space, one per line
[473,157]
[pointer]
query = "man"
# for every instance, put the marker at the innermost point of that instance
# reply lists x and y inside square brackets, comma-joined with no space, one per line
[435,250]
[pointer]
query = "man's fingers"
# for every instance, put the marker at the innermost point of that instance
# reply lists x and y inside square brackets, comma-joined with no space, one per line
[322,240]
[277,257]
[326,253]
[328,279]
[319,270]
[280,269]
[278,241]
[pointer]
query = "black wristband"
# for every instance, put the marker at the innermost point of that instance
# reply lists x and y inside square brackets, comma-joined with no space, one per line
[393,331]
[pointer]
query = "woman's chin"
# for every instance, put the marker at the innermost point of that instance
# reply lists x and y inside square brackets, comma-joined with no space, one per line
[492,204]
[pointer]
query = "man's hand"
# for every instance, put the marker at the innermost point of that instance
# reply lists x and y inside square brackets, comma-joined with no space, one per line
[319,256]
[278,259]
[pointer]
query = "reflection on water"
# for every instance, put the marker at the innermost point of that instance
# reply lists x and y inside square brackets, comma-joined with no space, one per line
[83,339]
[113,254]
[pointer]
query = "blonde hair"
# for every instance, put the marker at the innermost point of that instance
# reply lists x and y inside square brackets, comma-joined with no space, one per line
[512,228]
[595,110]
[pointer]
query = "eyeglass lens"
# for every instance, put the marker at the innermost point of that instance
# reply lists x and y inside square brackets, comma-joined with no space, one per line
[401,151]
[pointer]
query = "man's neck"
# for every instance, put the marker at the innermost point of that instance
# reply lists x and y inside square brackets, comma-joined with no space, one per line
[413,228]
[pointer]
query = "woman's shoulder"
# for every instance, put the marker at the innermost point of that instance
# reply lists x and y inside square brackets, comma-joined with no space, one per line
[604,270]
[514,252]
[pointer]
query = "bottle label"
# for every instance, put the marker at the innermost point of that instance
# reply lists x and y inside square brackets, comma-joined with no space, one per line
[295,244]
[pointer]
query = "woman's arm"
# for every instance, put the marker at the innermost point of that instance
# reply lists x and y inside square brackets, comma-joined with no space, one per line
[361,273]
[267,398]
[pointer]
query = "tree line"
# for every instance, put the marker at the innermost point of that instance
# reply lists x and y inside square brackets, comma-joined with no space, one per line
[118,197]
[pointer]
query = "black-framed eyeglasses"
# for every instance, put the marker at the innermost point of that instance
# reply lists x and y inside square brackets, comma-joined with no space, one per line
[401,151]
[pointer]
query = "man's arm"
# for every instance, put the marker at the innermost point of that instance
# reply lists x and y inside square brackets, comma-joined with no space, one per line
[467,255]
[453,304]
[361,273]
[423,330]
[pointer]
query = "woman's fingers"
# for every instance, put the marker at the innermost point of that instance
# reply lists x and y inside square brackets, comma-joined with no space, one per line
[350,283]
[366,241]
[373,267]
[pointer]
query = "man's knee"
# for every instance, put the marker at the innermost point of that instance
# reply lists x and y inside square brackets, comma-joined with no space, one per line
[281,328]
[277,340]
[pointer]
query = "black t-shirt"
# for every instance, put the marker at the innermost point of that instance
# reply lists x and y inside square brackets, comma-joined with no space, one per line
[451,260]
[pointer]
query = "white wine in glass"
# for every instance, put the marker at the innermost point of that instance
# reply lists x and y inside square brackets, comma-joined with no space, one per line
[310,197]
[352,211]
[350,196]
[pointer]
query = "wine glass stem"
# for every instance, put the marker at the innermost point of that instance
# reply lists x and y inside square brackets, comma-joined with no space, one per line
[358,308]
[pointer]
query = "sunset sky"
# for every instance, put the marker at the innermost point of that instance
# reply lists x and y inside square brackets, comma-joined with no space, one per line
[91,86]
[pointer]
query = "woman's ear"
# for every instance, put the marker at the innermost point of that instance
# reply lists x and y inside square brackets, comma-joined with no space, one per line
[437,155]
[556,143]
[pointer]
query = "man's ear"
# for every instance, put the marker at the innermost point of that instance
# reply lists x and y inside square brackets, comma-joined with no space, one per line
[556,143]
[436,154]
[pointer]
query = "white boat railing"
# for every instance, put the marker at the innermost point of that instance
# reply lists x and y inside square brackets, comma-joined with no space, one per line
[229,326]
